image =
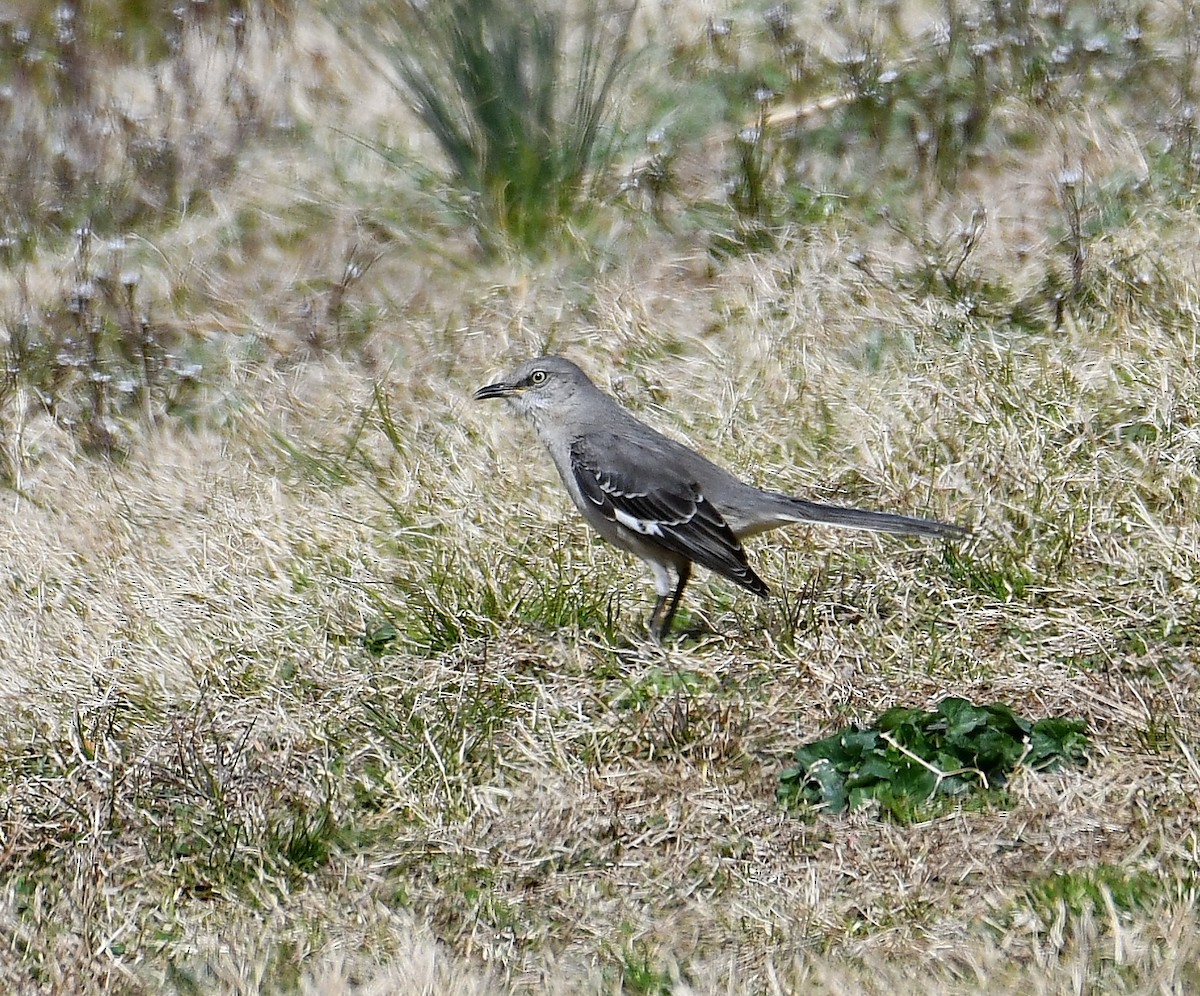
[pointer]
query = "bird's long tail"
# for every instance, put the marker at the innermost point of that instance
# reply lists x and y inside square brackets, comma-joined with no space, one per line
[799,510]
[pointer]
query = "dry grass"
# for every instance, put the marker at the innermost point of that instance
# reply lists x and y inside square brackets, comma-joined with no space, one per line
[324,688]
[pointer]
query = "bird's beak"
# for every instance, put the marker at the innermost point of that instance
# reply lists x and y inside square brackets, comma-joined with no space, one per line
[500,390]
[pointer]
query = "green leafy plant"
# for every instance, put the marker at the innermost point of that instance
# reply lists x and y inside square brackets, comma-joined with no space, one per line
[910,757]
[520,132]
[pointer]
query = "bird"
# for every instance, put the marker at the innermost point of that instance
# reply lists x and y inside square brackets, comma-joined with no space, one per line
[658,499]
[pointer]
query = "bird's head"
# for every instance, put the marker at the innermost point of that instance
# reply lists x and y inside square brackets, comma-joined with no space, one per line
[544,388]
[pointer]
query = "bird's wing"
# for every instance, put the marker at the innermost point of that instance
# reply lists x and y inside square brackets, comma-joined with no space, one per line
[647,491]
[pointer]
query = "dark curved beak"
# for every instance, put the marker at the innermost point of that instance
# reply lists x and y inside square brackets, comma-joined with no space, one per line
[500,390]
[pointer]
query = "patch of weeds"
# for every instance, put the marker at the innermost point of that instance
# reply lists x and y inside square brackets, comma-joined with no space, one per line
[280,964]
[450,603]
[838,591]
[795,611]
[556,594]
[441,609]
[1091,889]
[1076,208]
[379,637]
[96,360]
[886,115]
[673,711]
[457,894]
[1159,633]
[314,465]
[574,605]
[941,266]
[203,804]
[1096,892]
[809,207]
[657,684]
[1005,580]
[304,836]
[231,815]
[1159,735]
[636,972]
[874,918]
[912,763]
[439,733]
[77,148]
[653,179]
[752,193]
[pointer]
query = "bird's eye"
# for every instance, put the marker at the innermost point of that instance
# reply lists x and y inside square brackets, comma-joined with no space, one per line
[537,377]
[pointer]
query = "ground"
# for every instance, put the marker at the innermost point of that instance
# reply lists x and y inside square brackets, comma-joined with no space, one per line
[314,680]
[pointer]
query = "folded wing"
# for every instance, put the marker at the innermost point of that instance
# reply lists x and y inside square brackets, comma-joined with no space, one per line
[639,488]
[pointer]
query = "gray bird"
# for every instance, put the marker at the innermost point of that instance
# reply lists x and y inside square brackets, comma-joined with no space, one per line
[656,498]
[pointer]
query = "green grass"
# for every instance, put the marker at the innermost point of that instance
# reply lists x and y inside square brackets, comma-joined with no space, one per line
[517,101]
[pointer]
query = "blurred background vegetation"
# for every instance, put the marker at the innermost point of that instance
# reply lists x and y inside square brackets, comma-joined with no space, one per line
[571,129]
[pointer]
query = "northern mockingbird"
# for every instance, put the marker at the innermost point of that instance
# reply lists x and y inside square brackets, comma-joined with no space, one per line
[655,497]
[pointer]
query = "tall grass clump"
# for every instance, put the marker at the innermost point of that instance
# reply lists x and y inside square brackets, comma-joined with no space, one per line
[517,96]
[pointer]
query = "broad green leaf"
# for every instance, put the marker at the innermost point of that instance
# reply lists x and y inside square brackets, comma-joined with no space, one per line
[900,716]
[961,717]
[863,796]
[830,785]
[876,766]
[995,752]
[914,781]
[1002,718]
[1055,740]
[843,749]
[945,761]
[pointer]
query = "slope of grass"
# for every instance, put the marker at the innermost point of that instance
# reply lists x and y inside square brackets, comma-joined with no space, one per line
[314,682]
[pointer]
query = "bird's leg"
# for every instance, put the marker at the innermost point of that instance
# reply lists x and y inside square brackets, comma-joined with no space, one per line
[663,586]
[652,623]
[685,573]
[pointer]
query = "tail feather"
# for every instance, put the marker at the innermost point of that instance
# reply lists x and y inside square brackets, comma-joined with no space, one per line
[799,510]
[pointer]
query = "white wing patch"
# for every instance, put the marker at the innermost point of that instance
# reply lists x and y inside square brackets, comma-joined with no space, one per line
[647,527]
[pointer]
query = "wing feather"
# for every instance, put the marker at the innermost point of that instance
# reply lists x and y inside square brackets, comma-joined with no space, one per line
[647,493]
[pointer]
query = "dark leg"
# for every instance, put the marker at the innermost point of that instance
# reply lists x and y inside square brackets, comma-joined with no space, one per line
[652,622]
[664,626]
